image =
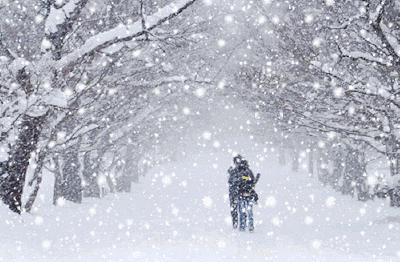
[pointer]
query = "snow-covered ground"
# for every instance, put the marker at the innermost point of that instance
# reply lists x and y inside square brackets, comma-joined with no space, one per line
[179,212]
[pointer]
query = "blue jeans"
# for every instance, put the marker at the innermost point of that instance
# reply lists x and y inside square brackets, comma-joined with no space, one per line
[246,213]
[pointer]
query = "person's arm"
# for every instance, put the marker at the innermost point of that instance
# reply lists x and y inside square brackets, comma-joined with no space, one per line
[251,175]
[231,176]
[257,178]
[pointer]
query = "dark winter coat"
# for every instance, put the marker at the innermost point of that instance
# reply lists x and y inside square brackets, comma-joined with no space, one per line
[242,182]
[233,182]
[247,184]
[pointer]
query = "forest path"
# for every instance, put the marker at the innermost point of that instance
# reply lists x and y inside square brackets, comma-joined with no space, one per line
[180,212]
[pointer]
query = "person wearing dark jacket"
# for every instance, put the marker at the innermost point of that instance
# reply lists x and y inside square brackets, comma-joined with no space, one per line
[233,182]
[242,194]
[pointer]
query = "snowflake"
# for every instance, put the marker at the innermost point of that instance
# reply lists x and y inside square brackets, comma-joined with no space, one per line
[316,244]
[136,53]
[228,220]
[216,144]
[276,221]
[261,20]
[61,201]
[317,42]
[221,84]
[68,92]
[206,135]
[221,244]
[351,110]
[81,111]
[275,20]
[338,92]
[186,111]
[329,2]
[207,201]
[221,43]
[61,135]
[331,135]
[175,211]
[330,201]
[101,180]
[46,44]
[270,201]
[308,220]
[228,18]
[46,244]
[157,91]
[80,87]
[39,19]
[112,91]
[92,211]
[129,222]
[200,92]
[166,180]
[39,220]
[309,18]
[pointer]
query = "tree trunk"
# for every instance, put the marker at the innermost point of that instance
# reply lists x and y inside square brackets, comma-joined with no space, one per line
[91,187]
[393,164]
[58,180]
[37,177]
[282,157]
[135,175]
[295,161]
[123,184]
[311,163]
[72,182]
[33,195]
[322,169]
[110,183]
[339,159]
[397,163]
[12,184]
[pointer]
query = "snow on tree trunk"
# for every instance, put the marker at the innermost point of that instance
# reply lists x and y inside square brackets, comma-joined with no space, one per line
[295,160]
[135,174]
[91,165]
[339,158]
[322,167]
[57,193]
[311,163]
[13,180]
[71,186]
[123,184]
[37,180]
[354,171]
[282,157]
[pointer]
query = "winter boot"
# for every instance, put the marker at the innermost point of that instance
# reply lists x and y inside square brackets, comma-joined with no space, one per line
[235,224]
[251,229]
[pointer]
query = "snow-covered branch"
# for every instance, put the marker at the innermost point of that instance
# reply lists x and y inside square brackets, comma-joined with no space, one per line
[125,33]
[59,16]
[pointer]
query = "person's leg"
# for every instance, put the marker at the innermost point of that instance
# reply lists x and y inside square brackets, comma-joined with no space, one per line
[242,212]
[234,210]
[250,214]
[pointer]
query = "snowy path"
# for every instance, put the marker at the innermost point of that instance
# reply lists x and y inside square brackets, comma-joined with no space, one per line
[180,213]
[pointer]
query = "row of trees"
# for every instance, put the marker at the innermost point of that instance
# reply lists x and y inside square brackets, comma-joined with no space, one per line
[331,77]
[85,92]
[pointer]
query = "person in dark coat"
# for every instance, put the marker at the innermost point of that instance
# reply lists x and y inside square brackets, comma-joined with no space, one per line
[242,195]
[233,182]
[247,197]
